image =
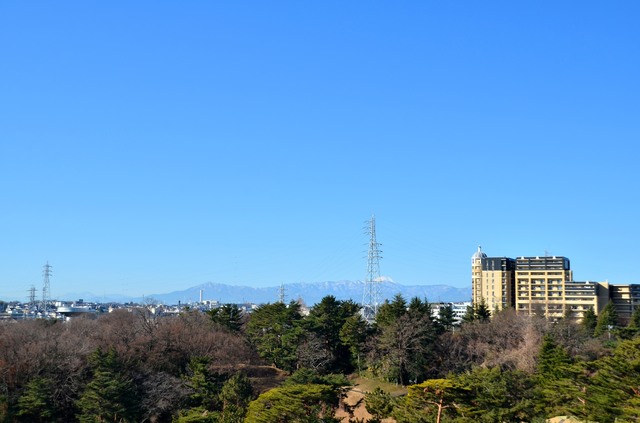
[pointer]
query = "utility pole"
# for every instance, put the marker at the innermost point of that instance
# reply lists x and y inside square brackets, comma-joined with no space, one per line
[371,297]
[46,289]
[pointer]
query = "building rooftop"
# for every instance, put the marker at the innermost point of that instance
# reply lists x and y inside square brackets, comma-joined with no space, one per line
[478,254]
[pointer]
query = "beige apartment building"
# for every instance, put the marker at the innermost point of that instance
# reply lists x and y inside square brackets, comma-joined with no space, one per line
[626,299]
[545,286]
[492,280]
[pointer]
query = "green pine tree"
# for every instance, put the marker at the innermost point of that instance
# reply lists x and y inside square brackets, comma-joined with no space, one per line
[614,394]
[379,403]
[469,315]
[275,330]
[433,400]
[197,415]
[552,360]
[389,312]
[309,403]
[228,316]
[607,320]
[35,404]
[235,396]
[110,395]
[325,321]
[204,383]
[559,381]
[482,312]
[353,335]
[495,395]
[589,321]
[420,308]
[634,323]
[447,318]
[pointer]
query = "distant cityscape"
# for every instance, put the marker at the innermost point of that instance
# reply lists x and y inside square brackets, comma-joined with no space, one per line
[65,310]
[540,285]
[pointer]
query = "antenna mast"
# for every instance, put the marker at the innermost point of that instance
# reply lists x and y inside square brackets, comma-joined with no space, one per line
[281,296]
[371,297]
[46,289]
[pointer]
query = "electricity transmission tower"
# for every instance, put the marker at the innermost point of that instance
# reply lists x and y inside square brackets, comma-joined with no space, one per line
[32,296]
[46,289]
[371,297]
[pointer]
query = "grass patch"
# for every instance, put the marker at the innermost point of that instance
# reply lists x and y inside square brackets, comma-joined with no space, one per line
[366,384]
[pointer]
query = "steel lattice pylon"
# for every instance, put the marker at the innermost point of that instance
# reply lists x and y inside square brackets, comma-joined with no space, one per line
[371,297]
[46,288]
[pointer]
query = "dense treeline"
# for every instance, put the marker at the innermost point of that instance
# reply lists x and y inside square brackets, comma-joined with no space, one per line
[123,366]
[223,366]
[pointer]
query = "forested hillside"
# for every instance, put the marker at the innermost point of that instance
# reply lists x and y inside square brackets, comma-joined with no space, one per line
[276,365]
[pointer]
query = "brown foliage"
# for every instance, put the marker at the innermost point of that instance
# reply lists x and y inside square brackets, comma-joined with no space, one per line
[508,340]
[153,350]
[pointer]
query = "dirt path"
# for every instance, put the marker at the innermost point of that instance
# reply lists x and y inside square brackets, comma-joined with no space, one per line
[354,400]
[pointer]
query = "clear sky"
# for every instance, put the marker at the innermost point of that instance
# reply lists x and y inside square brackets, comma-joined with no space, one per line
[150,146]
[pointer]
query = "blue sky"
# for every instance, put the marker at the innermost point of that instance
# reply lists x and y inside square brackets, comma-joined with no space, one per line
[151,146]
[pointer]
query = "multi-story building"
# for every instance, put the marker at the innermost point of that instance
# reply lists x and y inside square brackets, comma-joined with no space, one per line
[478,288]
[578,297]
[459,309]
[545,286]
[493,280]
[540,285]
[626,299]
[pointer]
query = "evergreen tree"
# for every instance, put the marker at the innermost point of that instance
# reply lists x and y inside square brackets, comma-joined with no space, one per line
[614,394]
[634,323]
[589,321]
[4,407]
[379,403]
[420,308]
[430,401]
[275,330]
[447,318]
[559,382]
[495,395]
[310,403]
[552,360]
[482,312]
[326,320]
[35,405]
[389,312]
[480,395]
[607,320]
[469,315]
[197,415]
[228,316]
[477,312]
[235,396]
[110,395]
[205,384]
[353,334]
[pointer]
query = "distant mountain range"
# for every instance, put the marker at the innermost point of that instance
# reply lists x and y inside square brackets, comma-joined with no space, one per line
[310,293]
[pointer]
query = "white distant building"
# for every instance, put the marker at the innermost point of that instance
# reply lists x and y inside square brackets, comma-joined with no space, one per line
[459,309]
